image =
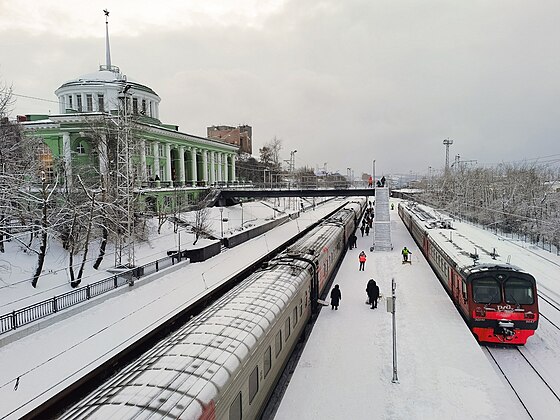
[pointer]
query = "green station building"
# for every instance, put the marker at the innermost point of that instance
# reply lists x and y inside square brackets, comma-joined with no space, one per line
[167,162]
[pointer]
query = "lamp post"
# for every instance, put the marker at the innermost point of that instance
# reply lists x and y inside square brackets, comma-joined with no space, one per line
[292,164]
[241,204]
[264,177]
[222,222]
[373,184]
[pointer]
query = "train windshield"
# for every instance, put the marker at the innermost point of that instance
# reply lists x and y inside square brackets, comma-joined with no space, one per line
[486,290]
[518,291]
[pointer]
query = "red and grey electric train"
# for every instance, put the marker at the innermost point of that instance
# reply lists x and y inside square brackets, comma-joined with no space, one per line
[497,300]
[225,362]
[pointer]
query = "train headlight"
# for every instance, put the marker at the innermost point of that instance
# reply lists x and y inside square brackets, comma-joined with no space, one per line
[529,315]
[480,312]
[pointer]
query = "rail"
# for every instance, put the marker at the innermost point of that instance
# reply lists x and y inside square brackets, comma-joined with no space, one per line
[21,317]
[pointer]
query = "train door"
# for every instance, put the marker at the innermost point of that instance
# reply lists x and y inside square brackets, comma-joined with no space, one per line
[456,285]
[425,245]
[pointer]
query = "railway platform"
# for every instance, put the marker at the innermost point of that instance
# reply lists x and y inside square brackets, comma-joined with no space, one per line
[346,369]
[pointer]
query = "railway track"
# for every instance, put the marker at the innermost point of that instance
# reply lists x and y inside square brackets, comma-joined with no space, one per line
[538,394]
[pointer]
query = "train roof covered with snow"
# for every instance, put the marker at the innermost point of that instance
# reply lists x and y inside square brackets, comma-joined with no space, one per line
[469,255]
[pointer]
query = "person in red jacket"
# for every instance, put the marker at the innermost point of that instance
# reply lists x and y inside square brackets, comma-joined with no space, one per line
[362,258]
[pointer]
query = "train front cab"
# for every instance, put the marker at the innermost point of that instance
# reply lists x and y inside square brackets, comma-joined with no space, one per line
[503,306]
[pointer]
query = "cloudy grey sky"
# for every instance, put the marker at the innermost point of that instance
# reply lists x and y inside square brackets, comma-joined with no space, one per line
[343,82]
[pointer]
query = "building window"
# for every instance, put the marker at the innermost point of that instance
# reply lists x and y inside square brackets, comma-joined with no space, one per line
[151,110]
[278,343]
[135,106]
[235,408]
[79,102]
[101,102]
[45,157]
[149,171]
[148,150]
[80,149]
[161,151]
[267,361]
[89,102]
[143,107]
[253,384]
[70,102]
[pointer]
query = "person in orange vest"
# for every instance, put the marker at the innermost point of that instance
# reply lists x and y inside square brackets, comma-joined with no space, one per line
[370,182]
[362,258]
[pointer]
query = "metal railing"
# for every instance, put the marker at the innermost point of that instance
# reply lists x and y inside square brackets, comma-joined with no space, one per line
[20,317]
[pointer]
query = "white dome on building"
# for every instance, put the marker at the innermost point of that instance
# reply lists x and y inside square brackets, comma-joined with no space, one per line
[99,92]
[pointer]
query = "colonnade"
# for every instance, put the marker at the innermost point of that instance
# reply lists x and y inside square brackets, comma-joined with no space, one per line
[189,166]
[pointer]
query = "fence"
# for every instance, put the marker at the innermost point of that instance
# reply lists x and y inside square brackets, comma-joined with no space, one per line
[20,317]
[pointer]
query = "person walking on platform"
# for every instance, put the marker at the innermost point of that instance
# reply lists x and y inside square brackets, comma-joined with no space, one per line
[352,241]
[362,258]
[367,229]
[362,229]
[372,291]
[336,296]
[405,253]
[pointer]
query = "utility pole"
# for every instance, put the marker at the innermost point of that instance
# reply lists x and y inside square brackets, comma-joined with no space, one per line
[125,180]
[447,143]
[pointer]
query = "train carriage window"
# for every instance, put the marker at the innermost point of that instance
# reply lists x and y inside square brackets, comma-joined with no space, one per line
[486,290]
[278,343]
[253,384]
[306,298]
[518,291]
[287,328]
[300,306]
[464,289]
[295,317]
[267,362]
[235,408]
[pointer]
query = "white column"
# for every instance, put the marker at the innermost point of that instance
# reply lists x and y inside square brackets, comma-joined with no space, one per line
[168,163]
[67,151]
[143,172]
[155,148]
[212,167]
[181,165]
[205,166]
[220,167]
[232,168]
[103,156]
[226,168]
[194,174]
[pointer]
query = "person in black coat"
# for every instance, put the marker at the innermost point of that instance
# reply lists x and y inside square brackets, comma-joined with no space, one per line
[352,241]
[372,291]
[335,297]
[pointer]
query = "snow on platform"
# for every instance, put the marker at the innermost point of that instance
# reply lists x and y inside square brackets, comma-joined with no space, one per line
[345,371]
[55,356]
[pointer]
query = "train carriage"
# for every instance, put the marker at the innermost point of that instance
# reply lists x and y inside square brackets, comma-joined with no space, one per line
[497,300]
[225,362]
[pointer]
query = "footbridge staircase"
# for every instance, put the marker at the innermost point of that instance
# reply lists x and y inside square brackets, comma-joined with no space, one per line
[382,221]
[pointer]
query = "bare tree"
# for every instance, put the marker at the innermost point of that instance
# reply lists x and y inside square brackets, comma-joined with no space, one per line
[201,224]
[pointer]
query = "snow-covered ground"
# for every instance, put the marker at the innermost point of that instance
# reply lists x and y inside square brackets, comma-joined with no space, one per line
[346,369]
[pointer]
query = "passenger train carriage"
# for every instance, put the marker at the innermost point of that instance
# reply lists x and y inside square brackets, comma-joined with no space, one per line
[497,300]
[225,362]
